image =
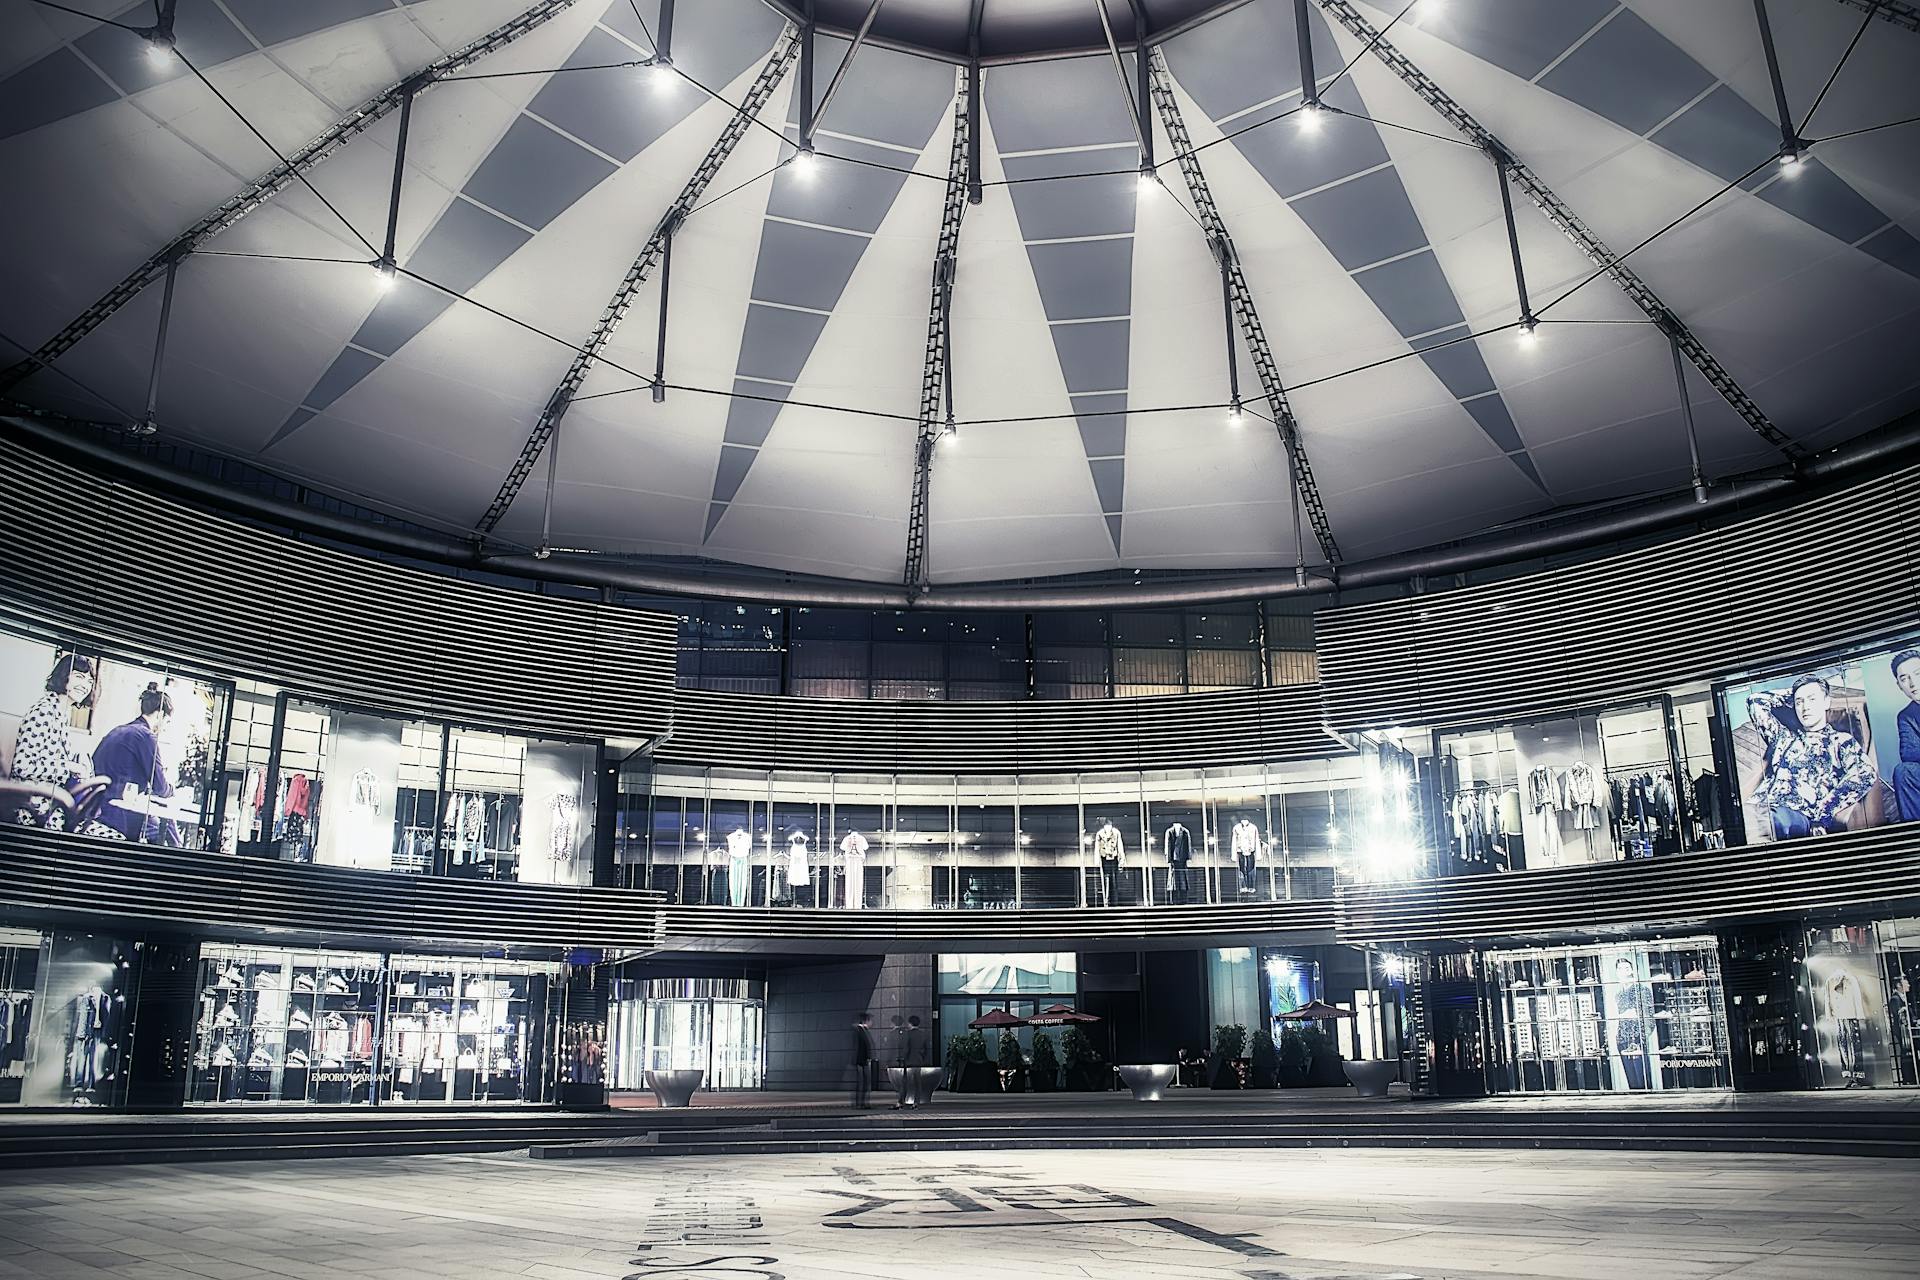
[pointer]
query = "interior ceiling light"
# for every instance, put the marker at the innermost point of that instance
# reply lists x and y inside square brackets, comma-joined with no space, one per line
[1529,330]
[1149,180]
[1236,416]
[1310,114]
[160,48]
[384,274]
[659,75]
[805,163]
[1792,154]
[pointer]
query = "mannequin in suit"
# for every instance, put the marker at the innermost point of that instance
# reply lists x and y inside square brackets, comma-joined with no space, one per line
[1179,849]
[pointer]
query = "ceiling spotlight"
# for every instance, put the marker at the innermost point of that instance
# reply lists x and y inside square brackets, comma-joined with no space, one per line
[1310,113]
[658,74]
[805,163]
[1792,154]
[160,47]
[384,274]
[950,434]
[542,552]
[1529,327]
[1236,417]
[1149,180]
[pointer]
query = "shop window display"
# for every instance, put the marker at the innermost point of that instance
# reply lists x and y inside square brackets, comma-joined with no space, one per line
[19,983]
[1618,1018]
[154,736]
[1828,749]
[1020,983]
[66,1018]
[1561,792]
[343,1028]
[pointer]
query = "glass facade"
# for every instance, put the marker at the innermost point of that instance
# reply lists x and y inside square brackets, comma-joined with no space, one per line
[850,653]
[66,1018]
[982,843]
[338,1028]
[1631,1017]
[713,1025]
[1020,983]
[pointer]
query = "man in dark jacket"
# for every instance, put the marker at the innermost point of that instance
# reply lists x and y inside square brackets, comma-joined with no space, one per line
[912,1052]
[862,1060]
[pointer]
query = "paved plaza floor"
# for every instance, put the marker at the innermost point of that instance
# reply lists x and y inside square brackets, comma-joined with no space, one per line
[1284,1215]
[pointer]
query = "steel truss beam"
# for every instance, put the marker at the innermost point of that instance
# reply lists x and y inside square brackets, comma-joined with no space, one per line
[771,74]
[269,184]
[1898,12]
[1252,332]
[1563,217]
[935,375]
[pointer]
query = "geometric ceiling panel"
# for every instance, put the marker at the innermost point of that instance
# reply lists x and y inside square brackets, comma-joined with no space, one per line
[1091,359]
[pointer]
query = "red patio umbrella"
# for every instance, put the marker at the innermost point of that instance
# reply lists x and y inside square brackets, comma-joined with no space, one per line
[1055,1015]
[995,1019]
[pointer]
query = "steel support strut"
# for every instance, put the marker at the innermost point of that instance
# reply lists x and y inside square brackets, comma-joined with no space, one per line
[1562,216]
[936,389]
[1240,296]
[751,105]
[1899,12]
[265,187]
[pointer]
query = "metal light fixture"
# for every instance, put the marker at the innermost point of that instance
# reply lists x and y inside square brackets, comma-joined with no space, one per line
[1310,113]
[1149,180]
[160,51]
[658,73]
[1792,154]
[1236,416]
[1529,330]
[385,272]
[806,163]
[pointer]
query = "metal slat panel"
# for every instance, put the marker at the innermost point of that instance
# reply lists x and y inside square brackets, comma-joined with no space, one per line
[1300,921]
[1782,880]
[46,873]
[1835,570]
[1240,727]
[156,577]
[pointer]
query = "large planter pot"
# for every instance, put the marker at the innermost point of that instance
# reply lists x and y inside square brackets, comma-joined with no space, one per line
[674,1088]
[1013,1079]
[1149,1082]
[1371,1077]
[1226,1073]
[924,1081]
[977,1077]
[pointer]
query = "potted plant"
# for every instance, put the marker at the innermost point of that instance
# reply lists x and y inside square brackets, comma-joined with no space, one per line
[977,1073]
[1324,1069]
[1013,1067]
[1086,1070]
[1229,1042]
[1266,1061]
[1044,1074]
[1295,1059]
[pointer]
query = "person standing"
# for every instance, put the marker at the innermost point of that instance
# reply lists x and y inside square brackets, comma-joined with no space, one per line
[912,1053]
[862,1060]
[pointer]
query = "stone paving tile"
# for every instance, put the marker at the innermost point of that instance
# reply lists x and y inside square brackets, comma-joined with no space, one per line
[1172,1215]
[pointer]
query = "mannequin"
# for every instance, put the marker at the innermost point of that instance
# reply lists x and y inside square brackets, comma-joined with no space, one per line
[1107,847]
[1246,852]
[1849,1013]
[739,866]
[854,851]
[1178,844]
[799,873]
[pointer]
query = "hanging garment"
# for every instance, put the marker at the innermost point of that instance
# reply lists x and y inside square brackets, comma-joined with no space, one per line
[299,796]
[1510,812]
[363,793]
[854,850]
[799,873]
[739,866]
[1706,801]
[1583,796]
[1545,790]
[564,835]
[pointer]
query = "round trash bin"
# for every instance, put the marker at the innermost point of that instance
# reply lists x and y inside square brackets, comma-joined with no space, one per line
[920,1089]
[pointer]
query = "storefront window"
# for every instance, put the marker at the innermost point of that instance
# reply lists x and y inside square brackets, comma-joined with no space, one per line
[984,847]
[153,736]
[66,1018]
[1051,858]
[1021,983]
[1561,792]
[860,841]
[802,863]
[1619,1018]
[1177,842]
[339,1028]
[275,1025]
[1240,837]
[1113,834]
